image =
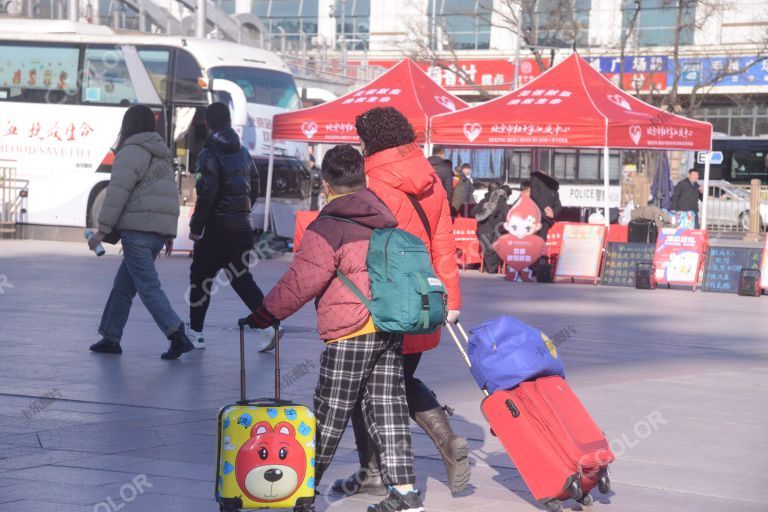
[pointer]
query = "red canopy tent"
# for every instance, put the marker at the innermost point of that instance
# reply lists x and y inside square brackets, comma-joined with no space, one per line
[404,86]
[573,105]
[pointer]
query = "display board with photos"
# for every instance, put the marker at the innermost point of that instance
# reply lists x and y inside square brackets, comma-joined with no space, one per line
[580,252]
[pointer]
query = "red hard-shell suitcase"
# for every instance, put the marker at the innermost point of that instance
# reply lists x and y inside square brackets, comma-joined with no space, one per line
[555,445]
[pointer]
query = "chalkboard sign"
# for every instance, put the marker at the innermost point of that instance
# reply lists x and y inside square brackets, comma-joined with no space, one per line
[724,265]
[621,260]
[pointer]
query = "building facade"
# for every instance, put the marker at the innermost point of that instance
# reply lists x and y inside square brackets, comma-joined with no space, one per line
[470,46]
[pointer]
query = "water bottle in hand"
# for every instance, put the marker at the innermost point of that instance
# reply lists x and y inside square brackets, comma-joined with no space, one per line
[99,248]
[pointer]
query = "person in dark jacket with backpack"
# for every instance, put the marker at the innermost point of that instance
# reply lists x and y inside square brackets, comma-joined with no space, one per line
[221,226]
[687,194]
[544,192]
[443,168]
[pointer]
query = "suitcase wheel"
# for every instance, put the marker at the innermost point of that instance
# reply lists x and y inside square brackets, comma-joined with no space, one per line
[554,506]
[604,485]
[586,500]
[574,490]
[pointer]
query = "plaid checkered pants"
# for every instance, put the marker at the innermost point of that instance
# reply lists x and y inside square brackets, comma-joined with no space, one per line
[368,369]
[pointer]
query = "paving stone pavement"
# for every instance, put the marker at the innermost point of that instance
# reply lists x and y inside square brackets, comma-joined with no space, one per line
[677,380]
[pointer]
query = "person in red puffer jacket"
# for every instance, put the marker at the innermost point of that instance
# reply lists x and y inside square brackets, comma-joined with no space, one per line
[396,169]
[360,366]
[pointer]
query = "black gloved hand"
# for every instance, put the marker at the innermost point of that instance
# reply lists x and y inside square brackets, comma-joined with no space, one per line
[261,318]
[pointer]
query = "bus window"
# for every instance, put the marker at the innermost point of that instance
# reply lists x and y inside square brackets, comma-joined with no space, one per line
[748,164]
[157,62]
[262,86]
[106,78]
[38,73]
[185,86]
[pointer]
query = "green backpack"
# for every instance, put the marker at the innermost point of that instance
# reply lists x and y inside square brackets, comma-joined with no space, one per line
[407,296]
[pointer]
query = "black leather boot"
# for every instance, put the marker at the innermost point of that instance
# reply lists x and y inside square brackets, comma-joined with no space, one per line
[453,449]
[180,344]
[367,479]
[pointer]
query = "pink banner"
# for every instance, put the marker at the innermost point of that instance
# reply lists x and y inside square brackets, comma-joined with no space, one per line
[678,256]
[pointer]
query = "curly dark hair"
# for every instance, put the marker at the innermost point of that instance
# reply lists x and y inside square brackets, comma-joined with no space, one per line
[383,128]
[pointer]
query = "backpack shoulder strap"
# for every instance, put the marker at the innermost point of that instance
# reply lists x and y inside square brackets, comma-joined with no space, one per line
[421,213]
[342,277]
[354,289]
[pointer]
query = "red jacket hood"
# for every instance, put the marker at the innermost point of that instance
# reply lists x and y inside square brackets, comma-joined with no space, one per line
[404,168]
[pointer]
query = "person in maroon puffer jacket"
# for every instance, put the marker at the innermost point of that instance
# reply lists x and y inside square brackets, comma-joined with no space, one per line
[396,168]
[359,364]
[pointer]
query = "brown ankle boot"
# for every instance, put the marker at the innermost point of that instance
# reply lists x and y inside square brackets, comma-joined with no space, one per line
[453,449]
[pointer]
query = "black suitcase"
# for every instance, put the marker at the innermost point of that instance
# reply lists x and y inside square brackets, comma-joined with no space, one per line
[642,231]
[545,269]
[645,276]
[749,282]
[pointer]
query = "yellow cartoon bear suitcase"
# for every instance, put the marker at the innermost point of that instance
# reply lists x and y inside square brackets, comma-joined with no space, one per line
[266,450]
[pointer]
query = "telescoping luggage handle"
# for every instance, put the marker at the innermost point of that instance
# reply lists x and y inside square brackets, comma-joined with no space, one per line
[241,324]
[460,345]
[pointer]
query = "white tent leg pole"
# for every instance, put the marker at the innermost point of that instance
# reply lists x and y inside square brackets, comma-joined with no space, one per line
[703,220]
[606,185]
[268,197]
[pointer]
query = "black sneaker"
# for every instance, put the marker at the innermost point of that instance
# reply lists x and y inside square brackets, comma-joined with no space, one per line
[107,347]
[180,344]
[396,502]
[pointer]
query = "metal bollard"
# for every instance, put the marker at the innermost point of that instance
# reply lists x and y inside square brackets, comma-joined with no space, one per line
[753,234]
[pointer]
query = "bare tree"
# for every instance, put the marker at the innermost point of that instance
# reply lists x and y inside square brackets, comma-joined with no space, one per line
[540,25]
[690,16]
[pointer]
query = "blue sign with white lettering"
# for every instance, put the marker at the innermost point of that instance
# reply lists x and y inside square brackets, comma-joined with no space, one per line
[740,71]
[632,64]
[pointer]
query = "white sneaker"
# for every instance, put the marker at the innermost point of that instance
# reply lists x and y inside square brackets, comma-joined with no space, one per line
[268,338]
[195,337]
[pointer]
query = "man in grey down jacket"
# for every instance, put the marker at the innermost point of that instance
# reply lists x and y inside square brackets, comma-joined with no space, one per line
[227,187]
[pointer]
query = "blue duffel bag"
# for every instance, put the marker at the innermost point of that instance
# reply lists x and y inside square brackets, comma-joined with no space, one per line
[505,352]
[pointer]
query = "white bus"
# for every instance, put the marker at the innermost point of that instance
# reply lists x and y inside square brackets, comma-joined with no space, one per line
[64,88]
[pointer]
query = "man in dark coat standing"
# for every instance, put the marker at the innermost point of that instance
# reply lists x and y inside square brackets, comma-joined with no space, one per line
[462,194]
[687,193]
[544,192]
[443,168]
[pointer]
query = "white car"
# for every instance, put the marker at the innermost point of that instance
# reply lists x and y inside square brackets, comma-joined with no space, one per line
[728,205]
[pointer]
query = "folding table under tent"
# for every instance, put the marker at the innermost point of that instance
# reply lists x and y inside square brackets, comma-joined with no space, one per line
[573,105]
[404,86]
